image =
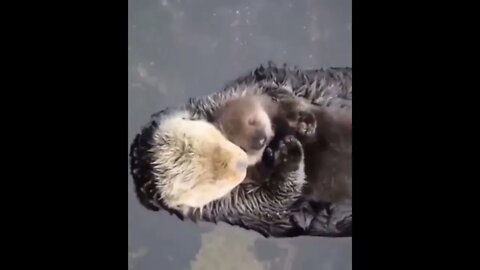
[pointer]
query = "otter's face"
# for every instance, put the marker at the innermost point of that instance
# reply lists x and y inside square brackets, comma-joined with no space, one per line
[251,131]
[195,163]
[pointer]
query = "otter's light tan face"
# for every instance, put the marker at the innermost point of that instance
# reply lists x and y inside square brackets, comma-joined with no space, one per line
[196,164]
[223,167]
[245,122]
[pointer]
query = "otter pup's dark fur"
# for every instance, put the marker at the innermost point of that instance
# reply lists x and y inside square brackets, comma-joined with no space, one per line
[326,88]
[328,168]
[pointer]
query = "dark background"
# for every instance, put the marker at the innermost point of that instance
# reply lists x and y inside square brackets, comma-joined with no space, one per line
[185,48]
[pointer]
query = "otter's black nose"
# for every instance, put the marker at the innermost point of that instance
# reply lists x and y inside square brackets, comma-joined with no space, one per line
[259,140]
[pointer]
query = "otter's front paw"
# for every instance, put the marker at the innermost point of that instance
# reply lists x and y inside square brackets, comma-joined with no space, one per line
[302,215]
[302,122]
[334,220]
[289,153]
[306,124]
[303,212]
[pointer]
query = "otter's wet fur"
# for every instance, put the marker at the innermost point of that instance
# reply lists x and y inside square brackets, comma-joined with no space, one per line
[329,88]
[328,169]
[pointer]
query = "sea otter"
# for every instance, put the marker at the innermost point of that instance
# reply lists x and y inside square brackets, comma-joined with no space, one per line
[200,163]
[180,146]
[327,88]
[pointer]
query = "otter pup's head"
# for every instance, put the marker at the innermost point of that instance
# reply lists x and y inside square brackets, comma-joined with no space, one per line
[194,163]
[245,121]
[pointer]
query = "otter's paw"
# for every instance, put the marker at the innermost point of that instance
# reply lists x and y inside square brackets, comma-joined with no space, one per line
[303,212]
[306,124]
[302,216]
[341,219]
[302,122]
[289,153]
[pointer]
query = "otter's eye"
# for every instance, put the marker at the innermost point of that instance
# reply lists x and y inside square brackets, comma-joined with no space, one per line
[252,122]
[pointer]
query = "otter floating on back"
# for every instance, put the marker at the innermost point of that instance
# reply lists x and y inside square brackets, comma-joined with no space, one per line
[329,88]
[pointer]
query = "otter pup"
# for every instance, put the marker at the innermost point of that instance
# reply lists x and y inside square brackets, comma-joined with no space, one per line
[248,121]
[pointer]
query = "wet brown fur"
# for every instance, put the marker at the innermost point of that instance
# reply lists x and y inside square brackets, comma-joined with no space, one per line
[328,157]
